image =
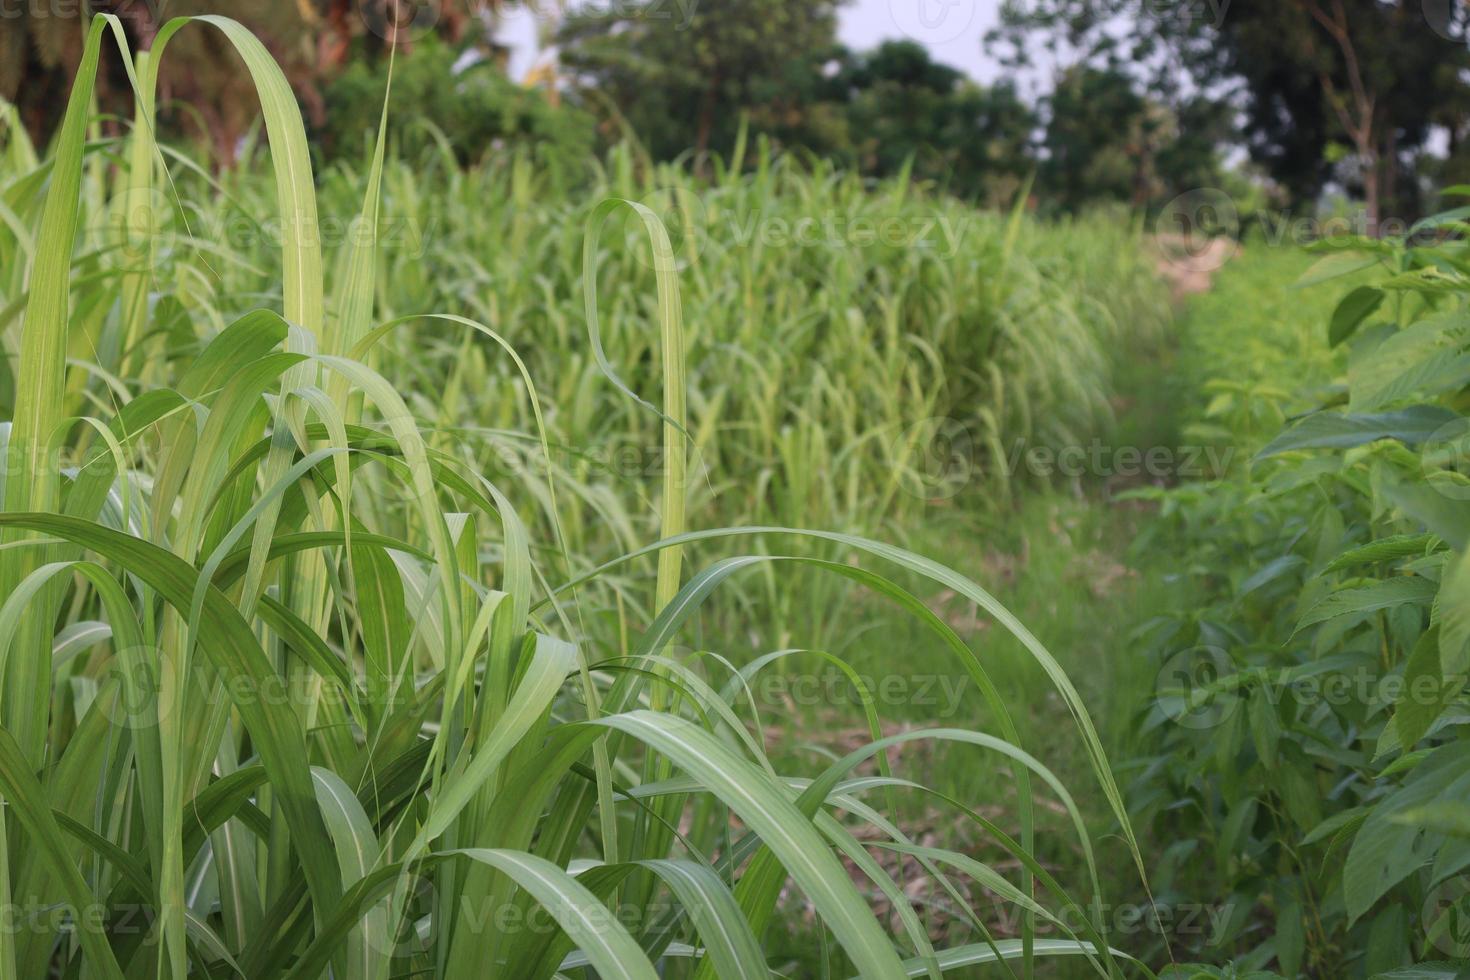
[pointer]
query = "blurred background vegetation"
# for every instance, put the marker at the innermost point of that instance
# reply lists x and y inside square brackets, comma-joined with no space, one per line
[1278,103]
[817,373]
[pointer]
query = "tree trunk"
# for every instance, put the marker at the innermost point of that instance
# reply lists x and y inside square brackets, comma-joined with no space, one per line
[1398,205]
[1372,194]
[334,43]
[1359,122]
[706,123]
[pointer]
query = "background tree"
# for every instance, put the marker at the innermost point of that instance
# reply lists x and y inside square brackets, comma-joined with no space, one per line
[1317,82]
[1098,139]
[872,111]
[472,102]
[682,75]
[40,49]
[312,40]
[901,105]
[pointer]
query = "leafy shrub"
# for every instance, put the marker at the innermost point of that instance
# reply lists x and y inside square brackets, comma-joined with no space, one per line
[474,109]
[1307,753]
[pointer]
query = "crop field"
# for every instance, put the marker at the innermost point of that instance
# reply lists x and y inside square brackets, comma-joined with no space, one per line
[413,568]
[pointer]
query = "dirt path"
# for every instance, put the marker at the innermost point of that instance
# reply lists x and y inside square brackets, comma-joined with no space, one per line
[1189,265]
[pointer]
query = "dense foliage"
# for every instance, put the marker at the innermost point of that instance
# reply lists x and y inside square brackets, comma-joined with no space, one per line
[1351,92]
[1134,104]
[677,71]
[1306,751]
[413,566]
[474,101]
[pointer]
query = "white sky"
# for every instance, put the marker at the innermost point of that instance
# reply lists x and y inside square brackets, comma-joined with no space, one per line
[951,29]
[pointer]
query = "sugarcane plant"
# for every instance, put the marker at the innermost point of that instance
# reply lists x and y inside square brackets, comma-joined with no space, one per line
[291,690]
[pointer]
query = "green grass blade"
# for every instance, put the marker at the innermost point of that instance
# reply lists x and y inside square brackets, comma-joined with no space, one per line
[769,812]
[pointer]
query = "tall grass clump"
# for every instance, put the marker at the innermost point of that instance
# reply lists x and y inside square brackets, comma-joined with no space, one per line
[292,688]
[863,356]
[827,319]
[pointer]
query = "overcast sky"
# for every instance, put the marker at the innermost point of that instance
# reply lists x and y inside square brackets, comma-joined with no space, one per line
[950,29]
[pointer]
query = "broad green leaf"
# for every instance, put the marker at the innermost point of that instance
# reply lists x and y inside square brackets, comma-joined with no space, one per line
[979,954]
[235,653]
[1426,689]
[1384,549]
[1270,572]
[1333,430]
[357,854]
[1454,619]
[1403,590]
[1447,817]
[1339,264]
[585,919]
[1421,360]
[1355,307]
[1388,940]
[1385,851]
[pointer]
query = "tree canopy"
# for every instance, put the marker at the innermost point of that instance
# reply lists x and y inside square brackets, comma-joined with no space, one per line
[1345,91]
[1143,101]
[681,75]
